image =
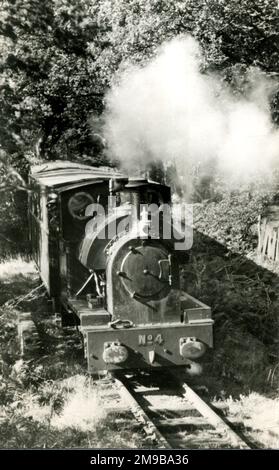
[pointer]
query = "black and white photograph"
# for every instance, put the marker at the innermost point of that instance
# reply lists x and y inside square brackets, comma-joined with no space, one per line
[139,228]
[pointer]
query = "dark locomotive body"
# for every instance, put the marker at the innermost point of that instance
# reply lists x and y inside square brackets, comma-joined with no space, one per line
[120,285]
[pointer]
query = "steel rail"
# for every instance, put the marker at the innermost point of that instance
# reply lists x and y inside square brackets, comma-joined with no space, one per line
[213,418]
[149,427]
[190,397]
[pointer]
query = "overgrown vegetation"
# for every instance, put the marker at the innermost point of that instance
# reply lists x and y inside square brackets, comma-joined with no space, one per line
[47,400]
[224,272]
[232,217]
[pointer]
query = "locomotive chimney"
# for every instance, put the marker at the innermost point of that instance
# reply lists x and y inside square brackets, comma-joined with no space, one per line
[135,183]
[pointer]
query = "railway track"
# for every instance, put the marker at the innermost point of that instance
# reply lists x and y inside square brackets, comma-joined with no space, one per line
[173,415]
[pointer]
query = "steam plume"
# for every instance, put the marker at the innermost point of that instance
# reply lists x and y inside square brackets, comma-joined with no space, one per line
[169,111]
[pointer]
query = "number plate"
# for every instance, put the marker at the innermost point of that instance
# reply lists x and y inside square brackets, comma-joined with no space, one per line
[148,339]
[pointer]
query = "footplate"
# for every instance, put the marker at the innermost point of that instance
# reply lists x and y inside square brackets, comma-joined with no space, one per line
[144,346]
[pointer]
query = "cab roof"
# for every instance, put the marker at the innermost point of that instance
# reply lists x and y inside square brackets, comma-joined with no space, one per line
[64,173]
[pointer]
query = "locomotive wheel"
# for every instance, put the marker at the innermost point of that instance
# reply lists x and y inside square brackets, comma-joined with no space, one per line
[29,341]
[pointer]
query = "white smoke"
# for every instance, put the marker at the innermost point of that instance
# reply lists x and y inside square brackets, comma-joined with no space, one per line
[168,110]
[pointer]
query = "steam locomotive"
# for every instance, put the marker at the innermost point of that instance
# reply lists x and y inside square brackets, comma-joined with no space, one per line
[106,272]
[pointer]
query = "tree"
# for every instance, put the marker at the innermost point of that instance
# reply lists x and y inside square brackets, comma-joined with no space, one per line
[48,86]
[232,33]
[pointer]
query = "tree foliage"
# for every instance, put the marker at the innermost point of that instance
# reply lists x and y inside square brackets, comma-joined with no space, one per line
[48,89]
[60,56]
